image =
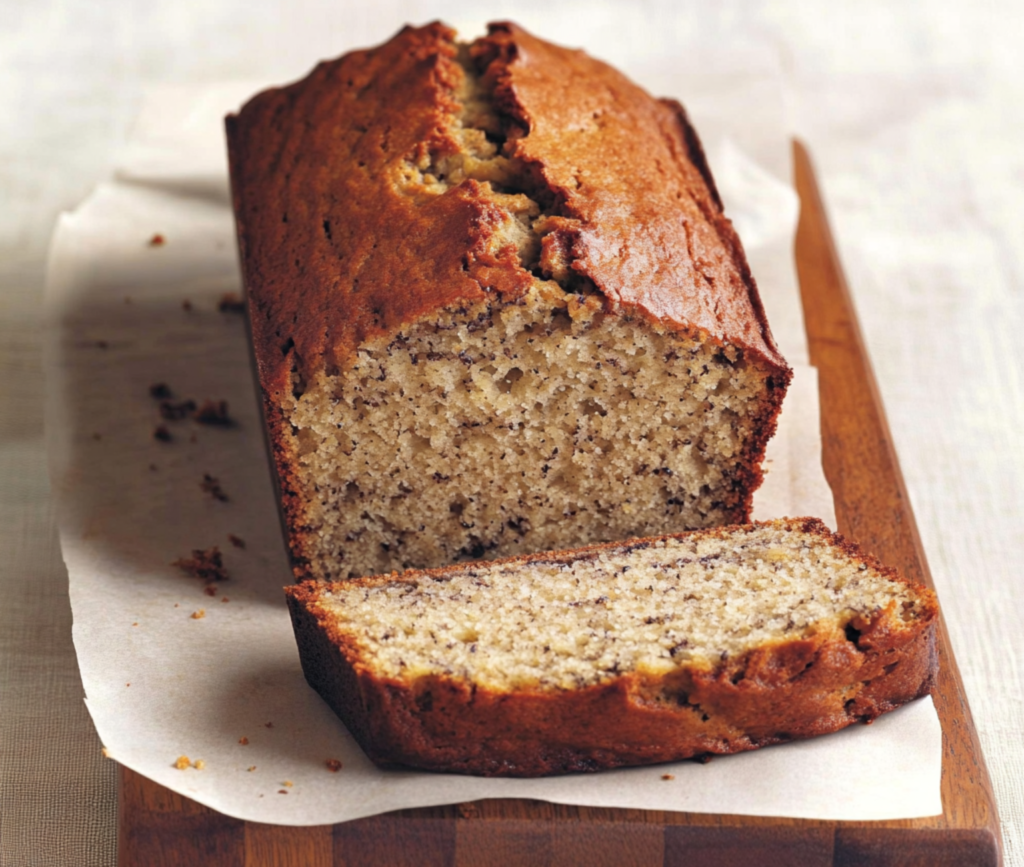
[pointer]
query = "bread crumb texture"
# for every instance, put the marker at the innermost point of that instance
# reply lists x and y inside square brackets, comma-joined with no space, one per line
[649,607]
[519,429]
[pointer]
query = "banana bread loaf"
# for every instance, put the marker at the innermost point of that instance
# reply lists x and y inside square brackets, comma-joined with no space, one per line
[495,307]
[630,653]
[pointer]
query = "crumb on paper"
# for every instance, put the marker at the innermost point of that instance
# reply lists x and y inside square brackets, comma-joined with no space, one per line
[127,684]
[186,305]
[176,605]
[207,564]
[210,590]
[224,599]
[157,240]
[333,765]
[160,391]
[160,432]
[251,768]
[182,763]
[668,776]
[282,791]
[198,615]
[237,541]
[287,784]
[136,623]
[213,412]
[244,741]
[172,411]
[231,302]
[199,764]
[211,485]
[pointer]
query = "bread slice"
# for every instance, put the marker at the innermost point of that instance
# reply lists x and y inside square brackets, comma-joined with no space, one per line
[630,653]
[495,305]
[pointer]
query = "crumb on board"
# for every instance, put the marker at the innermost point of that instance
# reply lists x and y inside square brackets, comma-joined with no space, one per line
[198,615]
[333,765]
[160,391]
[157,240]
[105,752]
[160,432]
[211,485]
[186,305]
[153,468]
[102,344]
[182,762]
[172,411]
[237,541]
[207,564]
[231,302]
[668,776]
[243,740]
[268,725]
[97,436]
[213,412]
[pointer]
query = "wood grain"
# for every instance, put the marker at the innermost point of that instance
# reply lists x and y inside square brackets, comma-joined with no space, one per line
[161,828]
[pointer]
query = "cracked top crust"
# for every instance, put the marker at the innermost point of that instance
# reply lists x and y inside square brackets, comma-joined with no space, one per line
[336,252]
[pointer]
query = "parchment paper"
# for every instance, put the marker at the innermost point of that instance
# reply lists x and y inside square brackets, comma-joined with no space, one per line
[162,683]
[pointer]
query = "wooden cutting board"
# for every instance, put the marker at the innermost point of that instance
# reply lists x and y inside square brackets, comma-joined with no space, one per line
[159,828]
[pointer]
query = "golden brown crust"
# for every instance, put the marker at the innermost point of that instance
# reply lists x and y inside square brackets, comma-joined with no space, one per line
[780,691]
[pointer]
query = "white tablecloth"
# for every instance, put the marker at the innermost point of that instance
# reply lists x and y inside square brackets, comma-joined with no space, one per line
[915,114]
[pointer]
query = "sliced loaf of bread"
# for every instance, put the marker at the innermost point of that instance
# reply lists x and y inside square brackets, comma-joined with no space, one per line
[629,653]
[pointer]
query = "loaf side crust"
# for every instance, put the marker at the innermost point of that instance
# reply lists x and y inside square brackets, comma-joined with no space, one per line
[780,691]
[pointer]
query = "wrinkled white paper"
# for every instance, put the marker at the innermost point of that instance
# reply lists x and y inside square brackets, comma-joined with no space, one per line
[226,687]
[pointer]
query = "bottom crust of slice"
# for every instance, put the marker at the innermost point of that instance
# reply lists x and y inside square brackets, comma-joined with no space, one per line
[783,691]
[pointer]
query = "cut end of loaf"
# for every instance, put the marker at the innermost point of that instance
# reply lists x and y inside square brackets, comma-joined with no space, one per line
[521,428]
[633,653]
[648,607]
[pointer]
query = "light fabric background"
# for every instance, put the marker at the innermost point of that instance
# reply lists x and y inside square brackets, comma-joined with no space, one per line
[915,114]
